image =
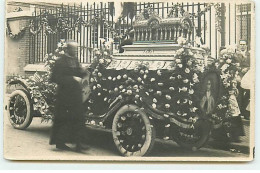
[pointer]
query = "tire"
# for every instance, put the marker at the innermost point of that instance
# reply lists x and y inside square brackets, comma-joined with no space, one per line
[19,109]
[133,133]
[201,131]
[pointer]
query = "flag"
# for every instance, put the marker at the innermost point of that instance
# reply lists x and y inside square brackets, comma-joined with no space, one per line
[37,77]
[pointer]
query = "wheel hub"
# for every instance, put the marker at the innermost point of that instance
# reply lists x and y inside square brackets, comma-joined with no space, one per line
[129,131]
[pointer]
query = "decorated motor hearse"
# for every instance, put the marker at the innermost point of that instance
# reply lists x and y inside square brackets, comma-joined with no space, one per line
[159,87]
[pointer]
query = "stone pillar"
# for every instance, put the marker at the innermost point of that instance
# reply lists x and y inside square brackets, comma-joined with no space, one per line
[170,34]
[161,37]
[151,34]
[137,34]
[17,54]
[166,33]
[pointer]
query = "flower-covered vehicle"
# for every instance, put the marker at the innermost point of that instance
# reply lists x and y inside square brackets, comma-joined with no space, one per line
[155,89]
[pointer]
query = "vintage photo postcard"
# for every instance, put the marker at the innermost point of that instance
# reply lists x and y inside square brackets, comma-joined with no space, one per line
[129,80]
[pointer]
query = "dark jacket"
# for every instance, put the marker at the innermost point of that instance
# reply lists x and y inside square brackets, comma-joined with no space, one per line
[69,90]
[68,116]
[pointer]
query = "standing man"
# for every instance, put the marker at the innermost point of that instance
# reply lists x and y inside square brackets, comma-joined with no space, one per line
[69,120]
[243,58]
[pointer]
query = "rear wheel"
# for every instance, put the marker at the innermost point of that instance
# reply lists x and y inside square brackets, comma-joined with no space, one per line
[19,109]
[132,131]
[192,139]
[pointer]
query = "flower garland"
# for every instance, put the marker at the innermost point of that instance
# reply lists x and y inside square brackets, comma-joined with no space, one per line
[229,70]
[15,36]
[63,26]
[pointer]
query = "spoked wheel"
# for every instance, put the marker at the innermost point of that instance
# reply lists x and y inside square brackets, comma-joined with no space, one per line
[19,109]
[192,139]
[132,131]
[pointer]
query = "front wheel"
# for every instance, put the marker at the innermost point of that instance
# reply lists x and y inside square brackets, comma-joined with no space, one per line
[132,131]
[19,109]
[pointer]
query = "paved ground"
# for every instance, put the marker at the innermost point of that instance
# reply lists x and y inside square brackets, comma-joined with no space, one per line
[32,144]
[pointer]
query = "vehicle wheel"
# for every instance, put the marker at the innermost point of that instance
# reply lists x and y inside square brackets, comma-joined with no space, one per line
[200,135]
[132,131]
[19,109]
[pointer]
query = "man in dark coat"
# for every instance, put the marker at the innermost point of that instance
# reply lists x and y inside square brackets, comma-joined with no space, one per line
[69,120]
[243,58]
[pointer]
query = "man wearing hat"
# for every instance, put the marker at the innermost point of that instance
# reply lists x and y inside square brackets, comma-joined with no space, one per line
[68,123]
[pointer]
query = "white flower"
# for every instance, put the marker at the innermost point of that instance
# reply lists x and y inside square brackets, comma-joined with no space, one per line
[124,76]
[109,78]
[193,109]
[135,87]
[154,105]
[159,93]
[184,114]
[179,51]
[152,79]
[190,53]
[118,77]
[129,92]
[229,61]
[141,71]
[97,52]
[187,70]
[105,53]
[179,76]
[59,45]
[178,60]
[216,64]
[184,89]
[139,79]
[160,84]
[62,52]
[159,73]
[224,67]
[185,80]
[155,100]
[167,106]
[180,65]
[171,88]
[189,63]
[191,91]
[99,74]
[181,41]
[168,97]
[172,78]
[98,85]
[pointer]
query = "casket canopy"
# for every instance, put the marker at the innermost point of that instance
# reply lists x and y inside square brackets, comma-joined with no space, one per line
[155,41]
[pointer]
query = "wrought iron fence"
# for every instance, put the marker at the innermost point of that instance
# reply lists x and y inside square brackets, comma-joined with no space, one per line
[77,22]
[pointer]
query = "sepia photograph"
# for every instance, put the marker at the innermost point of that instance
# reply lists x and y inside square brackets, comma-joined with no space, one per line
[135,81]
